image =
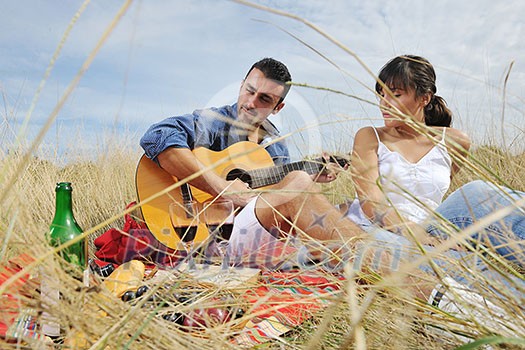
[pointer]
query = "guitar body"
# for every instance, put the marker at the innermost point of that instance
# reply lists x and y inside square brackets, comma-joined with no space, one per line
[150,179]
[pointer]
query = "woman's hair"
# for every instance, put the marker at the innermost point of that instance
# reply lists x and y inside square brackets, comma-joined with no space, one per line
[416,73]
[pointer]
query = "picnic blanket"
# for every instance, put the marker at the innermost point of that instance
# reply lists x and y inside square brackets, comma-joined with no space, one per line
[17,321]
[281,301]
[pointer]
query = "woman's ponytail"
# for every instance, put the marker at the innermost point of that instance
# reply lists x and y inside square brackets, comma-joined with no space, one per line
[437,113]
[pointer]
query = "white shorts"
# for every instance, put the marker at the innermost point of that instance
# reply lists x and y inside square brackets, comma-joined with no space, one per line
[252,245]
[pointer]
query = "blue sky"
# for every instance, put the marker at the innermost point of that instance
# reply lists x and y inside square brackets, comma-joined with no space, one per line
[171,57]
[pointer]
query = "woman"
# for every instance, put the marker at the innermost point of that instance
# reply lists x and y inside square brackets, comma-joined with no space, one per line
[402,170]
[414,154]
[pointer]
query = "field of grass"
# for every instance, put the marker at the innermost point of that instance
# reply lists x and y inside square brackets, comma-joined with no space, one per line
[382,316]
[369,311]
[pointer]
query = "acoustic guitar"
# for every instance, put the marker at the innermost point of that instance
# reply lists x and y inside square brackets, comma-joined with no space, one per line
[246,161]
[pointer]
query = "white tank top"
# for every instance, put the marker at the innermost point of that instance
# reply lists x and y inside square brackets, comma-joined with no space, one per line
[415,189]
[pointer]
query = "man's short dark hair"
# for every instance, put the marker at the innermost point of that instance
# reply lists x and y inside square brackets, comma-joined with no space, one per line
[275,70]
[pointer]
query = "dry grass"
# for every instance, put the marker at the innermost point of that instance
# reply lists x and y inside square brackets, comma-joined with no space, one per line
[383,316]
[101,190]
[495,165]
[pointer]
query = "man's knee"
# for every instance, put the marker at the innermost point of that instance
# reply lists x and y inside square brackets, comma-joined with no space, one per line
[285,197]
[298,181]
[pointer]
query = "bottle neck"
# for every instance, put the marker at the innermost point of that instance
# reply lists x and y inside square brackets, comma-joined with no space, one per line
[64,205]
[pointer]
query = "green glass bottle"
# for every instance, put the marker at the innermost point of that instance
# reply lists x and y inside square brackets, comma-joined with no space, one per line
[64,227]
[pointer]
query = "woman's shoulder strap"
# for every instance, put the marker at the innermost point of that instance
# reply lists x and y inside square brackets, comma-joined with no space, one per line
[444,135]
[377,134]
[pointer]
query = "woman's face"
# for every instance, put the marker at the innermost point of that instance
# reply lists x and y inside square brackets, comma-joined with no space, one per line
[404,102]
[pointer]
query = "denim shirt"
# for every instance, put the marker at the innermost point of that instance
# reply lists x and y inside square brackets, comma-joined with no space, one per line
[210,128]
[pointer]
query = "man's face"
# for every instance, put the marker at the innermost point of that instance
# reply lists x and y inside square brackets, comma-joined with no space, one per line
[258,98]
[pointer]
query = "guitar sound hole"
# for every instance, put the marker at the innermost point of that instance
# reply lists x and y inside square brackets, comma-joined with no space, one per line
[241,175]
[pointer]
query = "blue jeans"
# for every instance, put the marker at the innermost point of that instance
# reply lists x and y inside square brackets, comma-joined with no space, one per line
[478,199]
[465,206]
[462,208]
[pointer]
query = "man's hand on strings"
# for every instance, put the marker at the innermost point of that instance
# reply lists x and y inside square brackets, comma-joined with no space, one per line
[330,170]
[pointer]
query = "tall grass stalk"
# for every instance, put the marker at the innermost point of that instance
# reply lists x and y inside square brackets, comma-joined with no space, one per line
[370,310]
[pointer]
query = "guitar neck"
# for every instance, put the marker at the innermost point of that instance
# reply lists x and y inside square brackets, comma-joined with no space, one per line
[270,176]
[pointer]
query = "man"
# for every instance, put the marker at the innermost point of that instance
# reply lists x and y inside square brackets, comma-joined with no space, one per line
[266,219]
[261,94]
